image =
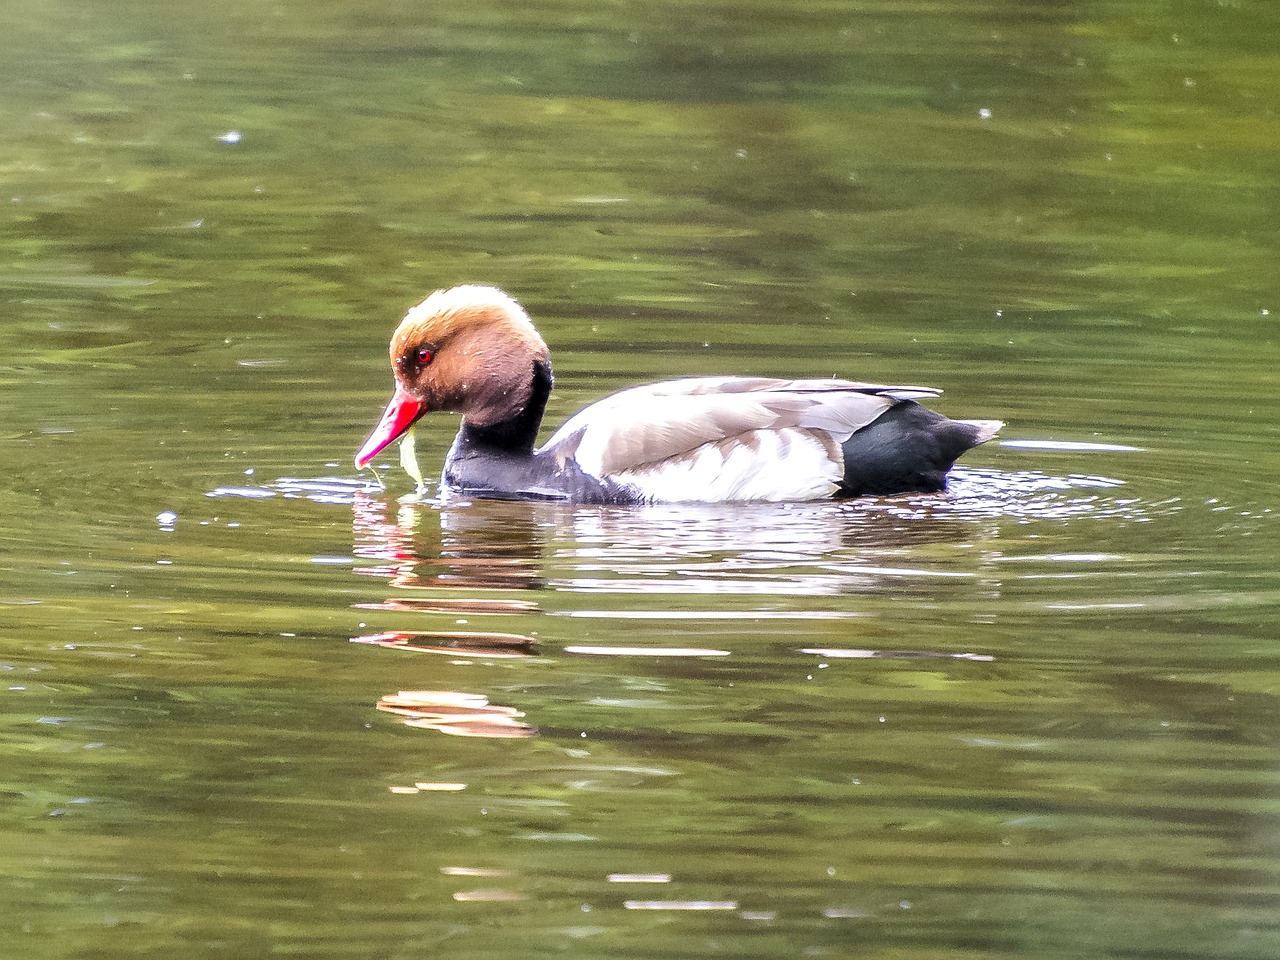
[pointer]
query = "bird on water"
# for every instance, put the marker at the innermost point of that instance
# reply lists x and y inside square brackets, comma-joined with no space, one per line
[472,350]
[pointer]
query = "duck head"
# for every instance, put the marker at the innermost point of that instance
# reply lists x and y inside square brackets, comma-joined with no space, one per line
[470,350]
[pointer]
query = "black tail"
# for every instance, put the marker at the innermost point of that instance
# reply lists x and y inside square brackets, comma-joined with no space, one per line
[908,449]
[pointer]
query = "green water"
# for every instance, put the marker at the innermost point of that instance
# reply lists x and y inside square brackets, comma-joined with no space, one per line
[1036,718]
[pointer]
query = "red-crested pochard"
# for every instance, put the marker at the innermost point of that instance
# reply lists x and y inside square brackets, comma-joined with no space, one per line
[472,350]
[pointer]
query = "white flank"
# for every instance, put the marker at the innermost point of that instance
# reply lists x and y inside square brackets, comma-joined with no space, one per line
[773,465]
[726,438]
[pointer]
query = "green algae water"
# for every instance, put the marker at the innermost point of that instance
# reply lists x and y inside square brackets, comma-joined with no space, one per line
[1036,717]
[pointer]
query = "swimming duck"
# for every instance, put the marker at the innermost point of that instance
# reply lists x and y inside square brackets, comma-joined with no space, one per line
[473,350]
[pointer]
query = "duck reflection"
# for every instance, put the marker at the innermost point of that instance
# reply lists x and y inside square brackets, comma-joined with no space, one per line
[523,545]
[491,646]
[795,549]
[457,714]
[424,560]
[497,548]
[451,560]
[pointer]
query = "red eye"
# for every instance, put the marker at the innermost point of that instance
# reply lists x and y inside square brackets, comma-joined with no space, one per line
[424,355]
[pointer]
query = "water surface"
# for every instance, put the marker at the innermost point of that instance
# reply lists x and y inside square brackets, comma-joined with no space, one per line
[1034,718]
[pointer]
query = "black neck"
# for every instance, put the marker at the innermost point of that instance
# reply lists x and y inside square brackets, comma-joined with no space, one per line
[518,433]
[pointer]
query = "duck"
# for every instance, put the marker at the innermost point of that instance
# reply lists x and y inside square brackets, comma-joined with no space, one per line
[472,350]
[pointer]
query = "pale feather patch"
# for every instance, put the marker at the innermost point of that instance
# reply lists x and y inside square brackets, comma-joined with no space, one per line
[645,425]
[663,427]
[770,465]
[986,429]
[469,298]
